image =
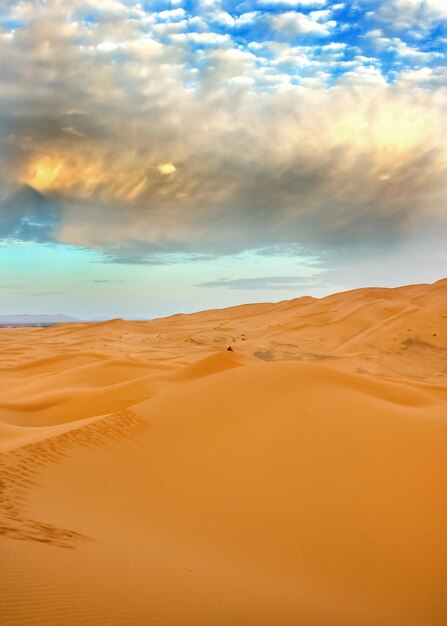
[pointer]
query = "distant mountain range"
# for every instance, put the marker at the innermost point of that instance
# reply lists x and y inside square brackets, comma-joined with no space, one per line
[36,319]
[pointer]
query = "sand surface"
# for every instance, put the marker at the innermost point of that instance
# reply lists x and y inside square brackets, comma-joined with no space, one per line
[149,476]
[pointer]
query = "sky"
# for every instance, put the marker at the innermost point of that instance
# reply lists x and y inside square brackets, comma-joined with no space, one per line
[170,156]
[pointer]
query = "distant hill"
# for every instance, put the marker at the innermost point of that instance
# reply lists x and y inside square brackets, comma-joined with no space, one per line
[36,319]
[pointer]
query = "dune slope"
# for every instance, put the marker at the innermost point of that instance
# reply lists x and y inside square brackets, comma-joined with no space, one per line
[150,476]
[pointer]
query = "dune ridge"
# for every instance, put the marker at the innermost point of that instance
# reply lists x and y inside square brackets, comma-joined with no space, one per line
[151,476]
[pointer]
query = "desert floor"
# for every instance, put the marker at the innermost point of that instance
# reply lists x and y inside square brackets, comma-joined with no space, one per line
[149,476]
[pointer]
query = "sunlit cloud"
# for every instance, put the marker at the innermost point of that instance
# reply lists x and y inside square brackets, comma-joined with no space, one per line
[166,168]
[44,174]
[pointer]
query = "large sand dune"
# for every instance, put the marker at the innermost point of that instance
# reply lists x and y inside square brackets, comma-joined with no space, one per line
[149,476]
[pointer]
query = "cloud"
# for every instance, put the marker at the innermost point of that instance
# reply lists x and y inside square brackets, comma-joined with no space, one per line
[105,281]
[293,3]
[267,283]
[144,254]
[44,293]
[240,130]
[27,215]
[401,48]
[166,168]
[171,14]
[420,15]
[293,23]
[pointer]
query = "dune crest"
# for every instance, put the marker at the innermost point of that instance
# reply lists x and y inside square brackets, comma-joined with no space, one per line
[156,477]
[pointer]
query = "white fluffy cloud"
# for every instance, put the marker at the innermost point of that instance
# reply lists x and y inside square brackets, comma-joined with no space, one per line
[293,3]
[292,23]
[412,14]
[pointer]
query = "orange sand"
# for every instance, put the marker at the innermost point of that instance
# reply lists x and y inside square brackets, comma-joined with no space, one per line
[151,477]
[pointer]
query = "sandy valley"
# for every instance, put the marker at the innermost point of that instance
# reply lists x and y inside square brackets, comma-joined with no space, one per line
[150,476]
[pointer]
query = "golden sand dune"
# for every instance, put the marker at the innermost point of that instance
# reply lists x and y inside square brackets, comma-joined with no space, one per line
[149,476]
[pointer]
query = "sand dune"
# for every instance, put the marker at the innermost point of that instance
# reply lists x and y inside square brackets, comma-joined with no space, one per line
[152,477]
